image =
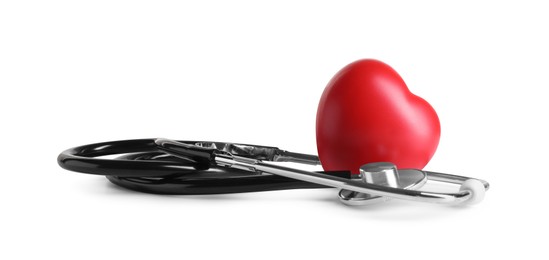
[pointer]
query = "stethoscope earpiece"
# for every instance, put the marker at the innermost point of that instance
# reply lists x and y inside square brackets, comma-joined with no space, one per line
[476,188]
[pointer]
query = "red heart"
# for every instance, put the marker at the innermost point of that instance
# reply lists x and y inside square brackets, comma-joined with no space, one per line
[367,114]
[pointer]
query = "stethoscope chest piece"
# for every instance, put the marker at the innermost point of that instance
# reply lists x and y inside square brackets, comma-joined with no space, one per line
[382,181]
[386,175]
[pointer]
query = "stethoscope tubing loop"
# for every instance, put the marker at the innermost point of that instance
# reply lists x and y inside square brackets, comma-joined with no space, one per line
[165,166]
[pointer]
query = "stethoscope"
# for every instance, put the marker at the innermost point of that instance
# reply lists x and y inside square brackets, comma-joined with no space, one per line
[366,113]
[164,166]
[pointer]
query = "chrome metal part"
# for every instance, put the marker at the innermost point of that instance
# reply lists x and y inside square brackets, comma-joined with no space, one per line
[342,183]
[410,179]
[377,179]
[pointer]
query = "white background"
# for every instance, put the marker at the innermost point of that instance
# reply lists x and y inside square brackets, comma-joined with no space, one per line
[77,72]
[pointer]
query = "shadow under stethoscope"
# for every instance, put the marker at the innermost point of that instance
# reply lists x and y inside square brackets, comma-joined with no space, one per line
[391,210]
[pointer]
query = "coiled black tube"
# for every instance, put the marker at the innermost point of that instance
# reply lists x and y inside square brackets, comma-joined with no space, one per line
[141,166]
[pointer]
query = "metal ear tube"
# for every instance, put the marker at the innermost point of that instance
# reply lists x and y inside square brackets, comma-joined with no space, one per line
[378,179]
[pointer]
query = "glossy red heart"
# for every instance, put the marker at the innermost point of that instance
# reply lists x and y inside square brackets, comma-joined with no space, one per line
[367,114]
